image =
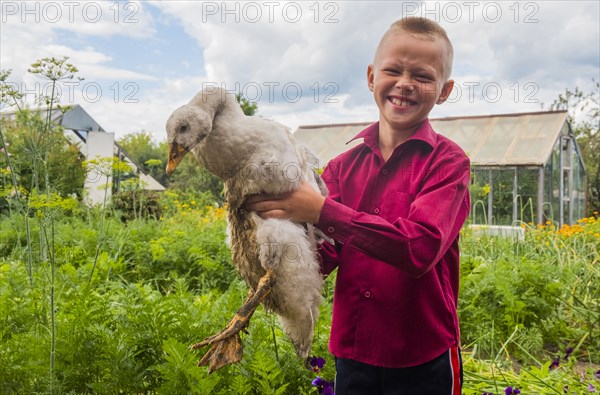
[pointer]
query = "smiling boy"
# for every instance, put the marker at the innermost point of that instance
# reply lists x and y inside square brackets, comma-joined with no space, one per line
[395,207]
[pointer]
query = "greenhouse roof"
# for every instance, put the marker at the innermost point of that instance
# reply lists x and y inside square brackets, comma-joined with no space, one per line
[521,139]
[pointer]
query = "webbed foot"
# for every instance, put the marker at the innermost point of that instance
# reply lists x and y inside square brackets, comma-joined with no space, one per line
[227,344]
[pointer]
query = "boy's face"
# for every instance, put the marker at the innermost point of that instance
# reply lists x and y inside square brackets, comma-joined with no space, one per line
[407,79]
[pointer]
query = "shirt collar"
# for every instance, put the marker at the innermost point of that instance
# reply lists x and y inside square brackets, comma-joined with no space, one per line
[370,135]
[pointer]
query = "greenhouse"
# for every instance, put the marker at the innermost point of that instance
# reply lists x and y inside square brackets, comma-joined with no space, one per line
[526,167]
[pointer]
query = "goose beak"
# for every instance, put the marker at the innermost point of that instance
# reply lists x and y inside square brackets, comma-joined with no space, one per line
[176,154]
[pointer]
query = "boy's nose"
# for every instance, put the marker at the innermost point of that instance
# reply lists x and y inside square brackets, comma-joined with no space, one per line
[405,86]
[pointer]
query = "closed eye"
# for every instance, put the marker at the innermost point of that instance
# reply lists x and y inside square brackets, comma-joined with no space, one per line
[423,78]
[392,71]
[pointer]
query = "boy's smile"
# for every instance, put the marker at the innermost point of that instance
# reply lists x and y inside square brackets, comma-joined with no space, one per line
[407,78]
[402,101]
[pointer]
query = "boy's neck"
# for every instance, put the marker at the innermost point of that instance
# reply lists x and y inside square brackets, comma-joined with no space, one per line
[390,138]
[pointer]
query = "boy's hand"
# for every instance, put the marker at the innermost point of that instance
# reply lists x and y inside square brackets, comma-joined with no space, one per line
[301,205]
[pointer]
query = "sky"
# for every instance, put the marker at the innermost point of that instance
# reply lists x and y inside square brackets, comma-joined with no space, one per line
[302,62]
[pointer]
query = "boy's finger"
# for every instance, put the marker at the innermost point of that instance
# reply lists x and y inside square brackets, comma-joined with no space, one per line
[262,197]
[259,205]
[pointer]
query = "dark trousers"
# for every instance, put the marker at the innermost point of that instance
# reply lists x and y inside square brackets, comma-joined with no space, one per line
[441,376]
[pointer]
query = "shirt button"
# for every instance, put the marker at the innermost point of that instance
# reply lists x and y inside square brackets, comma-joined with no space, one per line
[367,294]
[384,172]
[376,211]
[331,229]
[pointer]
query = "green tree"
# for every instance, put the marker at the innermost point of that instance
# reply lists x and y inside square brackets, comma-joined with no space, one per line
[38,144]
[249,108]
[63,161]
[145,153]
[584,117]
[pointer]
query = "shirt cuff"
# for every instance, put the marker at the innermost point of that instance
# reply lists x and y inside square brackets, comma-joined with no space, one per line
[336,220]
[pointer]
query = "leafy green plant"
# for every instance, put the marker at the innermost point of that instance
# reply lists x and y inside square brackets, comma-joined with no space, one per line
[160,285]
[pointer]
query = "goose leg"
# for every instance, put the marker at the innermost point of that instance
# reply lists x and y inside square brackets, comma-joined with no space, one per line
[227,345]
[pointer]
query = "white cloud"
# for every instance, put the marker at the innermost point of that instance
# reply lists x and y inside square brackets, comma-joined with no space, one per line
[304,52]
[32,30]
[502,63]
[84,17]
[147,112]
[503,43]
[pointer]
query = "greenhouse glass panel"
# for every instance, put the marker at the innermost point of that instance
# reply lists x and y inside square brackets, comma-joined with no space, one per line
[527,194]
[502,196]
[578,192]
[547,194]
[480,193]
[551,186]
[581,192]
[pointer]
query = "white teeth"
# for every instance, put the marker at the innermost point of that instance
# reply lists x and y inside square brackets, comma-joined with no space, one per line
[399,102]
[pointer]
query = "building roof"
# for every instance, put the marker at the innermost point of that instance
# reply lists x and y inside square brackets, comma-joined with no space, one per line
[73,118]
[521,139]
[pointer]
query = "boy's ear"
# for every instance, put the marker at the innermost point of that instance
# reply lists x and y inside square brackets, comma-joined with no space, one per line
[445,93]
[370,77]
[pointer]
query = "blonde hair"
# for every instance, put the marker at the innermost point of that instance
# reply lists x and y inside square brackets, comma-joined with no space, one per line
[426,29]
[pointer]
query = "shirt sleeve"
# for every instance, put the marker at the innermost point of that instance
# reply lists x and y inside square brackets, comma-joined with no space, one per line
[417,242]
[327,251]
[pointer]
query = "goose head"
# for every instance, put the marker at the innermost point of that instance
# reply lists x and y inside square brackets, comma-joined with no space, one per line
[187,127]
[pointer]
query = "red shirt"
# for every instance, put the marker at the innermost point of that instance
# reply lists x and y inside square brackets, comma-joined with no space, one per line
[396,227]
